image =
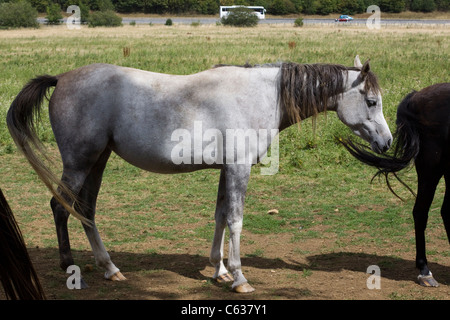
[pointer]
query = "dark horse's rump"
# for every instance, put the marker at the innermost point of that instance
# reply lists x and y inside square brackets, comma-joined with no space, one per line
[423,137]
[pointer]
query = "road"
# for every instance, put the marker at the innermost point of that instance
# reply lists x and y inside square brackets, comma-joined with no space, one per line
[188,20]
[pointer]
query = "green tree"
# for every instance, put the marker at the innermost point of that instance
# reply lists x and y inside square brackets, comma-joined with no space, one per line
[40,5]
[298,4]
[327,6]
[19,14]
[84,11]
[105,5]
[310,6]
[392,5]
[282,7]
[422,5]
[127,6]
[54,15]
[442,5]
[351,6]
[202,6]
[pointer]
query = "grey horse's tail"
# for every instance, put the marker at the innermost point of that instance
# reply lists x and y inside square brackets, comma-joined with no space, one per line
[17,273]
[21,118]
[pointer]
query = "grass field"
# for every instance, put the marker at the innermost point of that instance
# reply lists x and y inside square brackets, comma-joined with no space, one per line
[326,203]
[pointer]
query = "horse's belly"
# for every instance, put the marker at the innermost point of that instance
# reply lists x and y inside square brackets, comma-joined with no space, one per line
[161,160]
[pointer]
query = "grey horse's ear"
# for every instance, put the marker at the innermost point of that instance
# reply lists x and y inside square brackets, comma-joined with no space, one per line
[365,68]
[357,62]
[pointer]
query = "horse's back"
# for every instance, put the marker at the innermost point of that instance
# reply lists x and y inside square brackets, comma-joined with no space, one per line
[432,106]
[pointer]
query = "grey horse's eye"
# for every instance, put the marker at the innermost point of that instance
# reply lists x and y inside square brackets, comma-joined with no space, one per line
[371,102]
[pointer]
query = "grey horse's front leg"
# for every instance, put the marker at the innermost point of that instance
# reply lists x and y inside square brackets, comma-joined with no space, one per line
[230,207]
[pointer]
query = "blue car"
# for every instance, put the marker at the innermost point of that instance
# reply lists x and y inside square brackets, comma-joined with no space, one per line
[344,18]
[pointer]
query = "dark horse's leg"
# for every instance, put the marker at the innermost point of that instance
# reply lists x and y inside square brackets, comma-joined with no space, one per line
[428,174]
[445,210]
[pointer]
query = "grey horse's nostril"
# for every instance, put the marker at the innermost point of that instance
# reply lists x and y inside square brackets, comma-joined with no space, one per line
[387,145]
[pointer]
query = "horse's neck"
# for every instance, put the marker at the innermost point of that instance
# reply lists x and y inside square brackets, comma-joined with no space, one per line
[331,103]
[286,120]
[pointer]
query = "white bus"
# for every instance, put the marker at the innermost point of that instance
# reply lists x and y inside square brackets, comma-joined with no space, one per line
[259,11]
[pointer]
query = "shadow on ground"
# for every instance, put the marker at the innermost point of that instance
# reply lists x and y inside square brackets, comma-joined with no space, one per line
[164,270]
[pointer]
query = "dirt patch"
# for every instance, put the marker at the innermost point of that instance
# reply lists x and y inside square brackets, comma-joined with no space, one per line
[311,269]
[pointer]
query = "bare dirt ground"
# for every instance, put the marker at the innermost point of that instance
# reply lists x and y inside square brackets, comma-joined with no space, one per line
[286,271]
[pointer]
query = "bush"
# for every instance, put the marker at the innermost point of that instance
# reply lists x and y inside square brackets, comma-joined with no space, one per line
[298,22]
[54,15]
[104,19]
[18,15]
[168,22]
[240,17]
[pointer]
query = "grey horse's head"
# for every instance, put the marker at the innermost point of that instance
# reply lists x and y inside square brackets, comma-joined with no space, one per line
[360,107]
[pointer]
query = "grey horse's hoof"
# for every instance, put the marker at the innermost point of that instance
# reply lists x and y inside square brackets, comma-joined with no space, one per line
[118,276]
[243,288]
[224,278]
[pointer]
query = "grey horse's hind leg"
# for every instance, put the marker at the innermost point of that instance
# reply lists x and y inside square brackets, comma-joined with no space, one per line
[230,209]
[61,217]
[88,196]
[221,273]
[83,177]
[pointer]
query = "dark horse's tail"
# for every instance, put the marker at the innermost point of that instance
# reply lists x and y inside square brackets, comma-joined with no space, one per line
[406,145]
[21,117]
[17,274]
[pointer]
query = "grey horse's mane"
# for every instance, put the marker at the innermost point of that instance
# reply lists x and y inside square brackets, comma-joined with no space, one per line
[248,65]
[307,89]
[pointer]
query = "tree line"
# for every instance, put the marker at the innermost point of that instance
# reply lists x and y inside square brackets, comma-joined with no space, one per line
[275,7]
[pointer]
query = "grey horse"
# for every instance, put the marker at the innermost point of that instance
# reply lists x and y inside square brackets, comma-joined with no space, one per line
[182,123]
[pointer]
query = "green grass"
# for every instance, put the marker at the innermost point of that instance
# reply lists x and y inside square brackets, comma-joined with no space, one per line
[320,190]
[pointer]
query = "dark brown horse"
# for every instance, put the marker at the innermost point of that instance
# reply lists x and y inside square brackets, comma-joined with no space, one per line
[422,137]
[17,274]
